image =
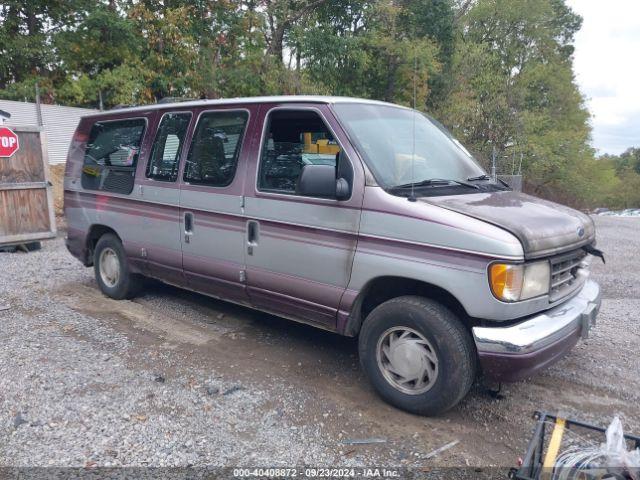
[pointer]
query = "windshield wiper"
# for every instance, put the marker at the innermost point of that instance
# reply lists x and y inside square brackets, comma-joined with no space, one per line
[434,181]
[484,176]
[506,185]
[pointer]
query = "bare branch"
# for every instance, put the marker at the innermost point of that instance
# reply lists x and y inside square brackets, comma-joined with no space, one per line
[464,7]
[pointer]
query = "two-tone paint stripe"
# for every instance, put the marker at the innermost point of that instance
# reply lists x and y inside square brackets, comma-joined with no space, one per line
[307,234]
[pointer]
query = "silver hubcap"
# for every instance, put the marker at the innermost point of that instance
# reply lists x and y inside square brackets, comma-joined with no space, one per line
[407,360]
[109,267]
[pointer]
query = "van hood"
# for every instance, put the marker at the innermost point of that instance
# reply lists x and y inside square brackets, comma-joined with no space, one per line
[544,228]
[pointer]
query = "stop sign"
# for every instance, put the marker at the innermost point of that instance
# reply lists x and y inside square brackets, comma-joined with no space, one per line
[8,142]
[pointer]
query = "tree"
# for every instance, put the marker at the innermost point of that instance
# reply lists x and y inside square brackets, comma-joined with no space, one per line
[281,17]
[435,20]
[515,92]
[369,49]
[25,33]
[497,72]
[99,59]
[629,159]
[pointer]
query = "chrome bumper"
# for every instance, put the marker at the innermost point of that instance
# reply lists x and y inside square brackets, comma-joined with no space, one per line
[545,329]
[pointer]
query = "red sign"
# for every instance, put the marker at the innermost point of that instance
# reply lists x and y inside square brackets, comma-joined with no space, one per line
[8,142]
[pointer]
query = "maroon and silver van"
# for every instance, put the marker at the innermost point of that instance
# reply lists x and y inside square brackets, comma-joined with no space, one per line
[360,217]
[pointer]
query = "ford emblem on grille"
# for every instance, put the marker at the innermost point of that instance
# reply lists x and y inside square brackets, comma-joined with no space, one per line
[580,231]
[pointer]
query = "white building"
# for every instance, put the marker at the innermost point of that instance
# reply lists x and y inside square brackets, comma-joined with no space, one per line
[59,123]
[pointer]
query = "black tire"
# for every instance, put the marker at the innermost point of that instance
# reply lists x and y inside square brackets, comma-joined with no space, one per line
[128,284]
[33,246]
[22,247]
[449,340]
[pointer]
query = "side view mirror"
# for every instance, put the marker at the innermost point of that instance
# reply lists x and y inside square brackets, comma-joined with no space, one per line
[320,181]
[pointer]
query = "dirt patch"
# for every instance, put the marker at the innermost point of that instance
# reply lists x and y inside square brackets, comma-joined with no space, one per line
[89,301]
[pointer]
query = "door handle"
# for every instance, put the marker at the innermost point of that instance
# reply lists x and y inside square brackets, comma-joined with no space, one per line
[188,226]
[252,235]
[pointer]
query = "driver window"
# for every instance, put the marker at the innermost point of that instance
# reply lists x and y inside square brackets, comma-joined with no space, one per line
[293,139]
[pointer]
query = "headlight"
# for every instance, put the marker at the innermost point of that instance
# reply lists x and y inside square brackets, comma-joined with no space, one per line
[511,283]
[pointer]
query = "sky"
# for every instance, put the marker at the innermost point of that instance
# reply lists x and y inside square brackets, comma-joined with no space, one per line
[607,67]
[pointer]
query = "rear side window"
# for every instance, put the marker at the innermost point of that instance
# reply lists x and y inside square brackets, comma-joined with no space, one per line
[165,156]
[214,151]
[112,155]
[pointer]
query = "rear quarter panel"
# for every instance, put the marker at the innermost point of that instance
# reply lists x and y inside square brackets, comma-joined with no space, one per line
[86,208]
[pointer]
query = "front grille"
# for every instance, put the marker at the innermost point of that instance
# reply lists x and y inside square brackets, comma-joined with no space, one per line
[568,273]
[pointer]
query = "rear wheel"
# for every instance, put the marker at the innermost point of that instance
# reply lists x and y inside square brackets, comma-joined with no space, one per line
[417,355]
[112,269]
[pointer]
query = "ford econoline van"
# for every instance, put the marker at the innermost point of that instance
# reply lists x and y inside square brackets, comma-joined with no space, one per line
[360,217]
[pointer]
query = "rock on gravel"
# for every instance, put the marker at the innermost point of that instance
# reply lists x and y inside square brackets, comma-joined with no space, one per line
[91,394]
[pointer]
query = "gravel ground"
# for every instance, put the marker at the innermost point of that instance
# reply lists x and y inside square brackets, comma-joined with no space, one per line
[177,379]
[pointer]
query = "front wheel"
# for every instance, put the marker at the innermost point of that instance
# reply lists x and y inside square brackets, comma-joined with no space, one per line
[112,269]
[417,354]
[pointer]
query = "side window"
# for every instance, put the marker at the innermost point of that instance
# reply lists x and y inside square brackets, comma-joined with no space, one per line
[214,151]
[112,155]
[165,156]
[293,139]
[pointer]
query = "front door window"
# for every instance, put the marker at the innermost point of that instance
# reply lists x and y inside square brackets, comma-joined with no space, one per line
[293,139]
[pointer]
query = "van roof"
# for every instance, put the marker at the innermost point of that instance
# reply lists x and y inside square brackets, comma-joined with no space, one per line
[245,100]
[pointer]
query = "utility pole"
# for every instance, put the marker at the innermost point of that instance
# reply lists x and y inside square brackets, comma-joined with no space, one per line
[520,166]
[493,164]
[38,107]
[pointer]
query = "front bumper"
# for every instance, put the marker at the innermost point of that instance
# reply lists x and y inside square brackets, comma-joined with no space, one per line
[517,351]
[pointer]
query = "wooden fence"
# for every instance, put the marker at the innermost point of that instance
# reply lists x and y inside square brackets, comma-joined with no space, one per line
[26,203]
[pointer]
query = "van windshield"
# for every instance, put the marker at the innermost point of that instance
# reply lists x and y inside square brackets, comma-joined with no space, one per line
[384,135]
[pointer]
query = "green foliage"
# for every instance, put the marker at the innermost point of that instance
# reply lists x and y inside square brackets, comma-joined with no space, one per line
[514,93]
[625,168]
[497,72]
[368,49]
[628,160]
[26,32]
